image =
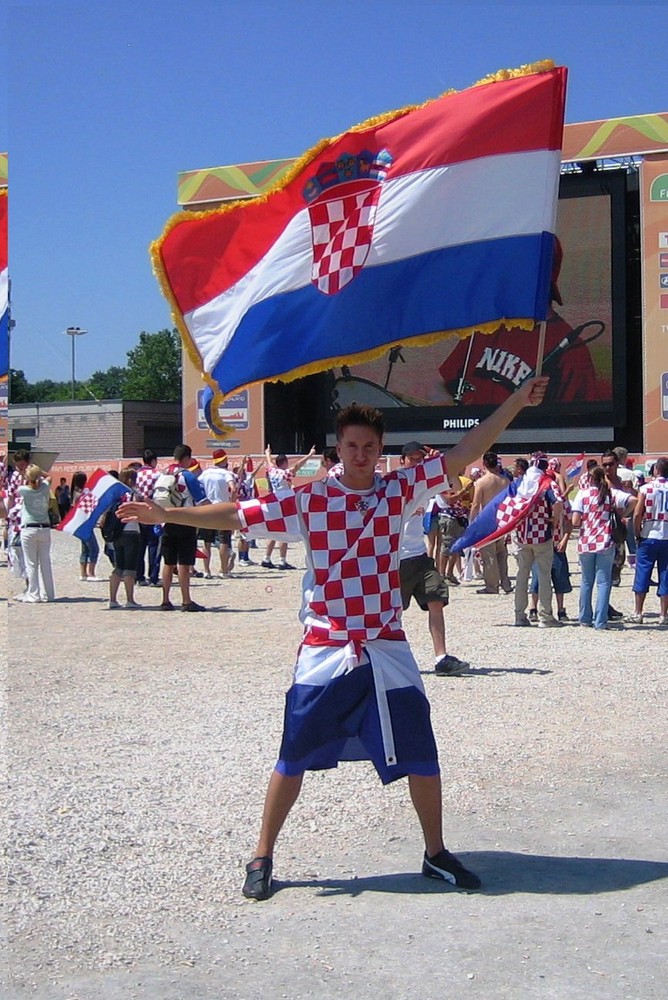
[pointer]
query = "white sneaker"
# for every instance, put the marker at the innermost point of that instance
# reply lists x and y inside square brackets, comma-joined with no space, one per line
[83,578]
[113,605]
[95,579]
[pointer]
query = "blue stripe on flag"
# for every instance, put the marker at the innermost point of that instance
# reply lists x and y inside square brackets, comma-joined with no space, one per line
[446,289]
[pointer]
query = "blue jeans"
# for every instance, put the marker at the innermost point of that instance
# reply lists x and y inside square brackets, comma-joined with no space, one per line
[596,567]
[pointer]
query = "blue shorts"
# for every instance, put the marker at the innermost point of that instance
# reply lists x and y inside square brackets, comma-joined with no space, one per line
[651,552]
[561,575]
[340,720]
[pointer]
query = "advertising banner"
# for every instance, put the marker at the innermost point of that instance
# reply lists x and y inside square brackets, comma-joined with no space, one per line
[654,214]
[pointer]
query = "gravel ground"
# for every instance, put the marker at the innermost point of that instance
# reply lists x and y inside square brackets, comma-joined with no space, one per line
[139,748]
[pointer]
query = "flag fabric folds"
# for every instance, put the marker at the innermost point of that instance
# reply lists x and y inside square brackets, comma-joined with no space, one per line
[505,511]
[4,287]
[100,492]
[428,221]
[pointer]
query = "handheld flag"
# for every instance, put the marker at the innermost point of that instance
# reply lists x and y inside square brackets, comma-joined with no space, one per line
[505,511]
[431,221]
[574,468]
[100,492]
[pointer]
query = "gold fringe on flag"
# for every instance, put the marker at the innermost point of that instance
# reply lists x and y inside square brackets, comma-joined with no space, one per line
[542,66]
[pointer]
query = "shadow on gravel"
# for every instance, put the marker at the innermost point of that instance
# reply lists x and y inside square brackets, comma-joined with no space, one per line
[486,671]
[504,873]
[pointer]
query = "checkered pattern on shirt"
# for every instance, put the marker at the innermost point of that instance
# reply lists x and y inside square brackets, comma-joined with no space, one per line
[656,507]
[342,230]
[595,534]
[146,477]
[351,588]
[14,499]
[536,527]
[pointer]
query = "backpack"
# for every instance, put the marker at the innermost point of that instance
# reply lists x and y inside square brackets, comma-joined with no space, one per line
[112,526]
[166,490]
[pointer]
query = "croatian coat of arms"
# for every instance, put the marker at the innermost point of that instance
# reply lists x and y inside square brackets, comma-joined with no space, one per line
[342,199]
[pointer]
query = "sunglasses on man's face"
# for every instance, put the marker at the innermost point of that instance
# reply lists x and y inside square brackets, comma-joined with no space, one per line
[609,465]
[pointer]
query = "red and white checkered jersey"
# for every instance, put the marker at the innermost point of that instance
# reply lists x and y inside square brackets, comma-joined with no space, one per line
[279,479]
[536,527]
[14,499]
[146,477]
[595,533]
[655,515]
[350,589]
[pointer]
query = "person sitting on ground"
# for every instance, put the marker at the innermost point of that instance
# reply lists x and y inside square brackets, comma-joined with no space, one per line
[357,691]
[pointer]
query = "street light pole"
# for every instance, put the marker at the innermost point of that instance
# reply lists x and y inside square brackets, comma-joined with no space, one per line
[74,332]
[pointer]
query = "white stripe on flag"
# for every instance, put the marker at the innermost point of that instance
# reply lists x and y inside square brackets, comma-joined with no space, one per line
[482,199]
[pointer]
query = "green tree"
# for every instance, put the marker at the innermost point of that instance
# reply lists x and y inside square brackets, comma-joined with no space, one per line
[154,367]
[19,387]
[109,384]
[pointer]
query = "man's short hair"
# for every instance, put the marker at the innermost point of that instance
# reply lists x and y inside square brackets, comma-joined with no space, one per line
[411,447]
[490,460]
[182,451]
[610,453]
[22,455]
[149,456]
[661,467]
[331,455]
[357,415]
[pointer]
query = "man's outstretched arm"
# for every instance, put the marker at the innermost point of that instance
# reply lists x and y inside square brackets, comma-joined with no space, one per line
[222,516]
[481,438]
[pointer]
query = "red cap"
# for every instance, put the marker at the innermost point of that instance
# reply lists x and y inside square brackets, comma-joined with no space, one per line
[219,455]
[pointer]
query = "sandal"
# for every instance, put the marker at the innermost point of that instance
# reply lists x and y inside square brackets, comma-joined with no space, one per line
[258,879]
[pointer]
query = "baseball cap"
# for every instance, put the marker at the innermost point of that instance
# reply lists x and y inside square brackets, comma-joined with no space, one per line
[194,466]
[410,447]
[219,455]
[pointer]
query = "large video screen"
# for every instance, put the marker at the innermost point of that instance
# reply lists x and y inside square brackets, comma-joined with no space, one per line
[451,385]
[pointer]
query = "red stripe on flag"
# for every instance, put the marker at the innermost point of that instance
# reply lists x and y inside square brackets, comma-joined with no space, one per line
[200,255]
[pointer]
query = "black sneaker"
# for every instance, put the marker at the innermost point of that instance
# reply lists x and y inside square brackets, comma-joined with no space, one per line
[614,615]
[450,666]
[285,565]
[268,564]
[258,879]
[533,615]
[191,606]
[447,867]
[562,616]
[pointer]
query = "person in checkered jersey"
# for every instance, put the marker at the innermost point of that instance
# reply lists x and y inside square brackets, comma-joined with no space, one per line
[591,510]
[357,692]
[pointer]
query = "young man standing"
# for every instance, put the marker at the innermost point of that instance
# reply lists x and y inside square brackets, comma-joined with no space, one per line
[179,540]
[357,691]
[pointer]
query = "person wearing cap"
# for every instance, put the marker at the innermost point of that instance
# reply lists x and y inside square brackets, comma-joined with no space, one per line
[499,362]
[220,486]
[419,578]
[357,693]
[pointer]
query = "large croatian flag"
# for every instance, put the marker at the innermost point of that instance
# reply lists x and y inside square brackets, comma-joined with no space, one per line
[4,287]
[101,491]
[428,221]
[505,511]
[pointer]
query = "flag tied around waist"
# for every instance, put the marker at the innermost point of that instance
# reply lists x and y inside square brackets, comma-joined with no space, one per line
[4,286]
[100,492]
[505,511]
[431,221]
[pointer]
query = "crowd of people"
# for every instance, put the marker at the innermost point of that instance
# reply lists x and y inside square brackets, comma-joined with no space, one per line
[608,494]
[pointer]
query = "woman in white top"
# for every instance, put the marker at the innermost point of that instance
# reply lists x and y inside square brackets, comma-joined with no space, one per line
[36,536]
[591,509]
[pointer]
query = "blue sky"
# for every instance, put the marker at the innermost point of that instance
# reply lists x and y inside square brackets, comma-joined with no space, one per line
[106,102]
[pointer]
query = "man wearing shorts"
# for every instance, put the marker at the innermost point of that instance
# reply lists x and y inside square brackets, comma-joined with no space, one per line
[220,487]
[179,541]
[419,577]
[357,692]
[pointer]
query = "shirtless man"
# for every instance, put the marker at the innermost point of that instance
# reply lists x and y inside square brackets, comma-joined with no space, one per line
[494,556]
